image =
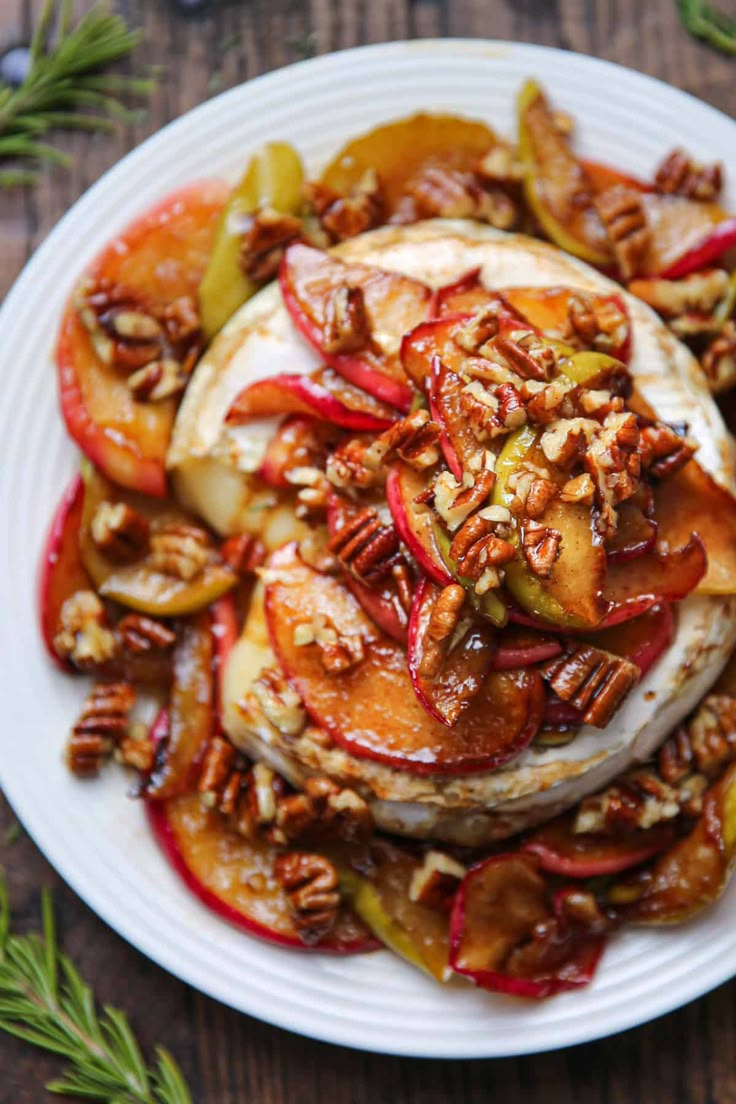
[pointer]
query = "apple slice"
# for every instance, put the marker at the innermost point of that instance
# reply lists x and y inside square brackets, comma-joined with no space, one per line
[686,235]
[509,933]
[693,872]
[299,442]
[225,632]
[636,533]
[602,177]
[394,304]
[634,586]
[413,521]
[62,572]
[547,310]
[467,295]
[324,394]
[139,585]
[159,258]
[555,183]
[690,501]
[234,877]
[380,600]
[561,850]
[521,647]
[371,709]
[447,694]
[643,640]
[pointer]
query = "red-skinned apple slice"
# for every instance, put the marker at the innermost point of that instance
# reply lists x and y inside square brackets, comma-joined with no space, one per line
[62,572]
[191,710]
[634,586]
[414,521]
[636,533]
[299,442]
[508,931]
[159,258]
[691,501]
[466,296]
[561,850]
[547,311]
[521,647]
[225,631]
[380,600]
[449,693]
[221,868]
[686,235]
[324,394]
[394,305]
[371,709]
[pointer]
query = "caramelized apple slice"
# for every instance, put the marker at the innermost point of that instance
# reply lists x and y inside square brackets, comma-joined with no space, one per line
[693,872]
[561,850]
[381,599]
[572,595]
[234,877]
[521,647]
[158,258]
[643,639]
[690,501]
[636,533]
[555,183]
[510,934]
[685,235]
[62,572]
[413,521]
[394,304]
[140,585]
[324,394]
[547,310]
[457,678]
[398,151]
[224,623]
[371,709]
[299,442]
[602,177]
[417,933]
[273,178]
[633,587]
[191,711]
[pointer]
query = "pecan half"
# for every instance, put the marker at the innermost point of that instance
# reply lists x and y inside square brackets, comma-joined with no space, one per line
[538,497]
[541,547]
[594,681]
[264,237]
[455,502]
[622,211]
[84,637]
[103,723]
[524,353]
[442,624]
[324,808]
[347,327]
[366,547]
[719,359]
[679,174]
[343,217]
[413,438]
[312,885]
[140,635]
[120,532]
[447,193]
[180,550]
[664,451]
[476,548]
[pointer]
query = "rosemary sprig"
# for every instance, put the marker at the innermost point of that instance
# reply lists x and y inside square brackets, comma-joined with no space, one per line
[64,87]
[45,1001]
[711,24]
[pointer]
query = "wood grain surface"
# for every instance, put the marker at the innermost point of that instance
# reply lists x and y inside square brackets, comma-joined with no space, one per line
[688,1057]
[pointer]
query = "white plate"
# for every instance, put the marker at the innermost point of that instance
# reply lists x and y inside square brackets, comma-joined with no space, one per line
[94,836]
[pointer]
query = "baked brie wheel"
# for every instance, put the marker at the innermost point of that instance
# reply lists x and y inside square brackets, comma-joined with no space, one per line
[214,460]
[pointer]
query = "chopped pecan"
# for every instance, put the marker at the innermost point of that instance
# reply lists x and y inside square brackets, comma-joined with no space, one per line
[524,353]
[436,881]
[442,624]
[580,489]
[664,451]
[541,546]
[347,327]
[244,553]
[120,532]
[706,743]
[338,652]
[312,885]
[217,764]
[538,497]
[637,800]
[281,705]
[447,193]
[137,752]
[157,380]
[511,410]
[346,216]
[103,723]
[719,359]
[700,292]
[623,215]
[454,501]
[480,328]
[84,637]
[679,174]
[594,322]
[413,438]
[613,460]
[264,237]
[180,550]
[550,402]
[500,166]
[346,467]
[479,408]
[594,681]
[324,808]
[365,546]
[139,634]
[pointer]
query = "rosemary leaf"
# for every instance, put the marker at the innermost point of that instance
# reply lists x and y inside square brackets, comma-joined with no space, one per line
[45,1001]
[709,24]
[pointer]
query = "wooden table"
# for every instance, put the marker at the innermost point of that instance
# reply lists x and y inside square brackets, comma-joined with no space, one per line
[688,1056]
